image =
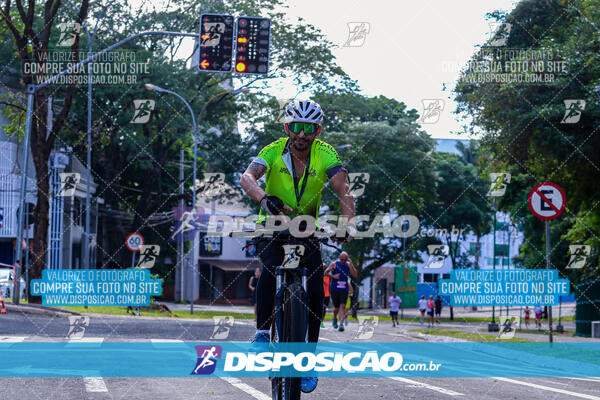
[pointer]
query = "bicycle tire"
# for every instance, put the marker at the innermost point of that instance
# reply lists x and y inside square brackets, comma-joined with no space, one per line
[293,330]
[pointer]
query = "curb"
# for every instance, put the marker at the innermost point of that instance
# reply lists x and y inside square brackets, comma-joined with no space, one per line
[38,309]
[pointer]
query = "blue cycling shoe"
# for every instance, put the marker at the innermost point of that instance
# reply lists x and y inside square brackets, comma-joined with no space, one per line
[260,344]
[309,383]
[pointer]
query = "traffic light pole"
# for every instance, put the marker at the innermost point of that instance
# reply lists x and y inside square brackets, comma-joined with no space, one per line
[31,91]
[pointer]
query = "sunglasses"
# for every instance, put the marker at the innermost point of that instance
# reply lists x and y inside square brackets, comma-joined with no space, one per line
[297,127]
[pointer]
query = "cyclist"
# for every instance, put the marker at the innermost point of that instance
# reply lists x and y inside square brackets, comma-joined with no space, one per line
[296,169]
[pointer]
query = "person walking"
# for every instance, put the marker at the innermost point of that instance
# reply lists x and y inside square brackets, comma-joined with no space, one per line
[252,285]
[538,316]
[339,272]
[430,309]
[395,302]
[326,283]
[438,308]
[422,308]
[527,313]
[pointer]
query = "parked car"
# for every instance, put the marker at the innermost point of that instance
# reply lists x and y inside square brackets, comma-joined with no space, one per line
[7,277]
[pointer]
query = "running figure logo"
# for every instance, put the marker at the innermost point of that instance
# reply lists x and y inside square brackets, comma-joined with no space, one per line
[432,109]
[282,104]
[499,183]
[366,327]
[142,111]
[499,33]
[187,223]
[68,33]
[223,324]
[358,182]
[207,359]
[293,252]
[508,326]
[148,255]
[573,109]
[579,255]
[68,183]
[211,184]
[437,255]
[77,327]
[212,37]
[357,33]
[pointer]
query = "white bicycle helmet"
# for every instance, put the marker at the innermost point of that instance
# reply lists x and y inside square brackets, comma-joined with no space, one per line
[303,111]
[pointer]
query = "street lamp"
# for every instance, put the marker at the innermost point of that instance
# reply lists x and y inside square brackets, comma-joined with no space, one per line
[152,87]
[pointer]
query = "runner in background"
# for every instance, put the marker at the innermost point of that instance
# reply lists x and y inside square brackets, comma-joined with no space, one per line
[395,302]
[430,309]
[326,283]
[438,308]
[422,308]
[538,316]
[252,285]
[527,312]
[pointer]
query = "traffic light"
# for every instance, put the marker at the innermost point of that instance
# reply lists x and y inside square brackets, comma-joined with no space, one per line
[216,42]
[252,45]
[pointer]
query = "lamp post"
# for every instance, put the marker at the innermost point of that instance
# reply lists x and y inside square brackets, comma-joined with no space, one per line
[152,87]
[493,326]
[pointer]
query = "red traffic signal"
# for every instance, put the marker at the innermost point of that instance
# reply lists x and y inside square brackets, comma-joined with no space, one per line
[252,39]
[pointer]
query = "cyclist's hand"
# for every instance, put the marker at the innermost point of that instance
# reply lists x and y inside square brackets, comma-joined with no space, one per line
[273,205]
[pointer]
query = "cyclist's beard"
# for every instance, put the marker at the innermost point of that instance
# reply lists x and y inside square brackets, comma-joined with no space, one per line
[301,144]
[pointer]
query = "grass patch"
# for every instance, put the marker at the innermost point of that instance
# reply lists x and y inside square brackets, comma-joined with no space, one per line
[471,337]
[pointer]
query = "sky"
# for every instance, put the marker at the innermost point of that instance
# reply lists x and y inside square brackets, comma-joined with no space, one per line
[411,50]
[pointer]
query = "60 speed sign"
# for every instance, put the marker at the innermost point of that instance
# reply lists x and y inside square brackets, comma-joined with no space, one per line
[134,242]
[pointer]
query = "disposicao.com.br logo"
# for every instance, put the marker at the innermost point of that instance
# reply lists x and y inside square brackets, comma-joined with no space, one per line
[300,360]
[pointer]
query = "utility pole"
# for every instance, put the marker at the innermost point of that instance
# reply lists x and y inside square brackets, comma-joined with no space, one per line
[180,243]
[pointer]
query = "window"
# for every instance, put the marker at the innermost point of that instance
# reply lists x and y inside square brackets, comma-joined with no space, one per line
[501,250]
[430,278]
[473,249]
[501,226]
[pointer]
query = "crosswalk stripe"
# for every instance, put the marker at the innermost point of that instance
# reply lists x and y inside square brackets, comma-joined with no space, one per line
[550,389]
[427,386]
[247,388]
[95,385]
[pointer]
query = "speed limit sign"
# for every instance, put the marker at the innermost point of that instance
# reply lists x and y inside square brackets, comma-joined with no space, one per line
[134,242]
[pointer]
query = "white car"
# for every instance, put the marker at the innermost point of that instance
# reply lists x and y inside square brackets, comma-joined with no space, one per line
[7,276]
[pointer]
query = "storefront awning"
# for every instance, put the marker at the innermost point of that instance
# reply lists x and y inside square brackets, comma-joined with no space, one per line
[233,265]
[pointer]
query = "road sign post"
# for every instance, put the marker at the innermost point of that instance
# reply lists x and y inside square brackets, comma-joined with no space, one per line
[547,201]
[134,242]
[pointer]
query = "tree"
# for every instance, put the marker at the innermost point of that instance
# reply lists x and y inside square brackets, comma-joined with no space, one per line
[523,132]
[32,35]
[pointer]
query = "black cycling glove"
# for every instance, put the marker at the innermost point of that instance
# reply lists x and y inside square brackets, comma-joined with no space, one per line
[273,205]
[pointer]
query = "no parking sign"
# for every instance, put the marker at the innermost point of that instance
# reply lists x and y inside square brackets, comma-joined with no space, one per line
[546,200]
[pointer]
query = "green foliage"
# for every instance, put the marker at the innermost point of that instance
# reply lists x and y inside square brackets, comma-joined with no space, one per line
[523,133]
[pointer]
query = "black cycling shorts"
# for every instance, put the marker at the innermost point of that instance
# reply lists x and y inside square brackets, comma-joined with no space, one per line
[339,297]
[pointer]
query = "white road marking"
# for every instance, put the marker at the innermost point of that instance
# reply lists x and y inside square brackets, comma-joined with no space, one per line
[166,341]
[548,388]
[326,340]
[246,388]
[427,386]
[554,383]
[94,385]
[591,379]
[87,340]
[12,339]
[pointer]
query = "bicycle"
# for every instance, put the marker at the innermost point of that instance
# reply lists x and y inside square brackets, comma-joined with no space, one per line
[290,323]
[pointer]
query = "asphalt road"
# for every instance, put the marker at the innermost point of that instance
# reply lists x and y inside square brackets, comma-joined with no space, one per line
[27,327]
